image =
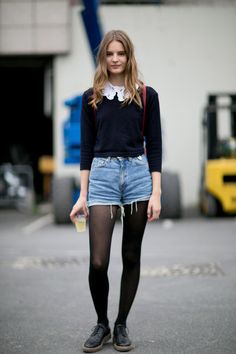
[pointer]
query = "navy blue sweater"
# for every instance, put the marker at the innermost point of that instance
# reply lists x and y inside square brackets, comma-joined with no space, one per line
[116,130]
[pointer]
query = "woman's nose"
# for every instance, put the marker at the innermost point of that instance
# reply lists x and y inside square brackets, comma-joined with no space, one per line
[114,57]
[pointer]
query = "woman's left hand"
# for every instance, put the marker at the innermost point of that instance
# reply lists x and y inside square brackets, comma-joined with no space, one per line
[154,207]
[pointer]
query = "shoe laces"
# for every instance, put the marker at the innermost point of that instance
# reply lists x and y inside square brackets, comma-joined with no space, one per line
[97,328]
[124,330]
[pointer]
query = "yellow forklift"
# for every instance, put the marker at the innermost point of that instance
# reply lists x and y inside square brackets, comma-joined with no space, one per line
[218,172]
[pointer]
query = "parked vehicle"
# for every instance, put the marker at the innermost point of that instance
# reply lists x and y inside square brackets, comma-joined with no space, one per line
[16,187]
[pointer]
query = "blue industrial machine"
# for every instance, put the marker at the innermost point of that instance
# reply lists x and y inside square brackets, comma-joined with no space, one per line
[65,190]
[71,131]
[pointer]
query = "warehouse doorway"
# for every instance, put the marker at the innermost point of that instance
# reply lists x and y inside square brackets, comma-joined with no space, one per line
[26,112]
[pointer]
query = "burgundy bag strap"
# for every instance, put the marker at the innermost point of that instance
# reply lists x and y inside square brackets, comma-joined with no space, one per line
[94,117]
[144,108]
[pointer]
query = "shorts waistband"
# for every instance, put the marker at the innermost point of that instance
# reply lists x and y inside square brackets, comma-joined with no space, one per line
[121,158]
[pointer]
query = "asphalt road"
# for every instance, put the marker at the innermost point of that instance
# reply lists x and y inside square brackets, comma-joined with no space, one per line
[186,302]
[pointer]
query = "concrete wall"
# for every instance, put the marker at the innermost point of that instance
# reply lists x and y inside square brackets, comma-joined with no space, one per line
[34,27]
[183,51]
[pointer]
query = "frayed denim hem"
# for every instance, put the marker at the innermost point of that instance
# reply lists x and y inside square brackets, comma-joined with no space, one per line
[121,206]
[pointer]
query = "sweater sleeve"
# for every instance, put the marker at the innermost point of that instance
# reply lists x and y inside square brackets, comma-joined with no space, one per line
[153,131]
[87,132]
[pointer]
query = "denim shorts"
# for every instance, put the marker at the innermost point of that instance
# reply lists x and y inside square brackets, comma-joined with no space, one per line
[119,181]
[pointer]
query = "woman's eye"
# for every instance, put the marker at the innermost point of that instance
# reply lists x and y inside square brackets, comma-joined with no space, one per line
[121,54]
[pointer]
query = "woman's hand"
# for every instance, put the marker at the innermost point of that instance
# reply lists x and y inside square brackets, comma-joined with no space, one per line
[80,207]
[154,207]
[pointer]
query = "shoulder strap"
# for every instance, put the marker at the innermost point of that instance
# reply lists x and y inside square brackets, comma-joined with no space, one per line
[94,116]
[144,108]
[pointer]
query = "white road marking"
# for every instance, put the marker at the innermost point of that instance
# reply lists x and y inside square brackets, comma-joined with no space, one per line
[38,224]
[211,269]
[27,262]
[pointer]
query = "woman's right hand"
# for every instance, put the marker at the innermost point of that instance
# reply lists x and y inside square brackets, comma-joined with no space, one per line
[80,207]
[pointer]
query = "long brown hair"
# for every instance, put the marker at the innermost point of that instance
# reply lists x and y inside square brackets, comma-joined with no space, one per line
[131,72]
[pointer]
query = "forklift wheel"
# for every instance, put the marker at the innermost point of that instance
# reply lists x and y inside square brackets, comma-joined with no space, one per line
[210,206]
[171,196]
[62,197]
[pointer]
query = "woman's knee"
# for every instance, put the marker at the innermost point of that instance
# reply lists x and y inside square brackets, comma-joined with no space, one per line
[99,264]
[131,258]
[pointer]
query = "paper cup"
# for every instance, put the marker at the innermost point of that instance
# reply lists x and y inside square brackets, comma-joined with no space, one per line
[80,223]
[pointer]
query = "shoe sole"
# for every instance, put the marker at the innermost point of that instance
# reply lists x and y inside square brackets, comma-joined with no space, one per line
[96,349]
[122,348]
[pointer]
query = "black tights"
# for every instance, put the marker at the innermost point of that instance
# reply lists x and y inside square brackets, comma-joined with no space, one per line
[100,234]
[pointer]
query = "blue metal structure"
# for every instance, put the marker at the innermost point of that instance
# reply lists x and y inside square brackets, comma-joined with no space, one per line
[92,25]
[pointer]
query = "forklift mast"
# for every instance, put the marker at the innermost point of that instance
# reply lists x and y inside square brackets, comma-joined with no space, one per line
[211,124]
[217,194]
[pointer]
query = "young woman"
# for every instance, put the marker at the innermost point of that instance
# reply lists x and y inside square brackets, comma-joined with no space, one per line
[116,173]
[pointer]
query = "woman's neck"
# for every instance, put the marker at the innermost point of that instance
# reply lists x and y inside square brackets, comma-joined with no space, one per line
[117,80]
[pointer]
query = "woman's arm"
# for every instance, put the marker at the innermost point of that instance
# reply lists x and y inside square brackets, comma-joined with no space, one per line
[154,152]
[87,138]
[81,204]
[154,205]
[153,132]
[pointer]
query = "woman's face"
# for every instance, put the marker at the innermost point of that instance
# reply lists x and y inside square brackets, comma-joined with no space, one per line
[116,58]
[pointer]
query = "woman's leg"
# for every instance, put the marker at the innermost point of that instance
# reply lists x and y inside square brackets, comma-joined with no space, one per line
[133,230]
[101,225]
